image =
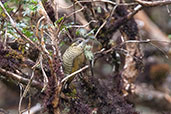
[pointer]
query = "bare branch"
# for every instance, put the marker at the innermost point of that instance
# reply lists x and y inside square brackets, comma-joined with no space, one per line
[75,12]
[74,73]
[44,74]
[20,78]
[25,91]
[106,20]
[136,10]
[153,3]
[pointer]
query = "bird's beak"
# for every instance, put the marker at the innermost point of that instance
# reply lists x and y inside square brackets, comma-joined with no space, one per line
[83,43]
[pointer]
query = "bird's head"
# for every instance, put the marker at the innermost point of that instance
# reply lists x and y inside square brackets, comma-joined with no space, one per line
[80,42]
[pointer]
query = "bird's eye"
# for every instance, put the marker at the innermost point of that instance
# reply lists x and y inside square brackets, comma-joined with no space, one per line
[79,41]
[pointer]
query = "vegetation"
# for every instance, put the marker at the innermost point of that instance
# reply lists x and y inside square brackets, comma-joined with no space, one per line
[108,75]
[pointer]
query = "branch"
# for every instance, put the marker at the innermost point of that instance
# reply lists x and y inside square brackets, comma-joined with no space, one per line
[109,2]
[136,10]
[20,78]
[74,73]
[153,3]
[54,84]
[44,74]
[25,92]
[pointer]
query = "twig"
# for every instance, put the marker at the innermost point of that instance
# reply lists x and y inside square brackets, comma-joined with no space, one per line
[18,9]
[100,28]
[128,53]
[20,78]
[123,20]
[77,26]
[36,64]
[74,16]
[136,10]
[74,73]
[144,41]
[41,40]
[25,91]
[148,41]
[75,12]
[21,89]
[37,27]
[5,39]
[153,3]
[105,20]
[105,1]
[164,53]
[29,84]
[108,1]
[44,74]
[29,104]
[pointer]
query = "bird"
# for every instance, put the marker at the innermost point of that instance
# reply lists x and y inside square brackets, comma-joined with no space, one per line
[73,58]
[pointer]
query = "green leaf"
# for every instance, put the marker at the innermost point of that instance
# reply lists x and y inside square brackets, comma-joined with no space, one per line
[88,53]
[59,20]
[23,50]
[27,32]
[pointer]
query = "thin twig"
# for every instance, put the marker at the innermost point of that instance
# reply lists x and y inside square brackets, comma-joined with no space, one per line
[75,12]
[41,40]
[75,17]
[29,84]
[136,10]
[44,74]
[29,104]
[25,91]
[37,27]
[100,28]
[150,42]
[105,1]
[5,39]
[19,107]
[106,20]
[77,26]
[144,41]
[74,73]
[154,3]
[164,53]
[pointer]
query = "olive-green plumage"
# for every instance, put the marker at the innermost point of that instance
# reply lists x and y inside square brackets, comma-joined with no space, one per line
[69,57]
[73,57]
